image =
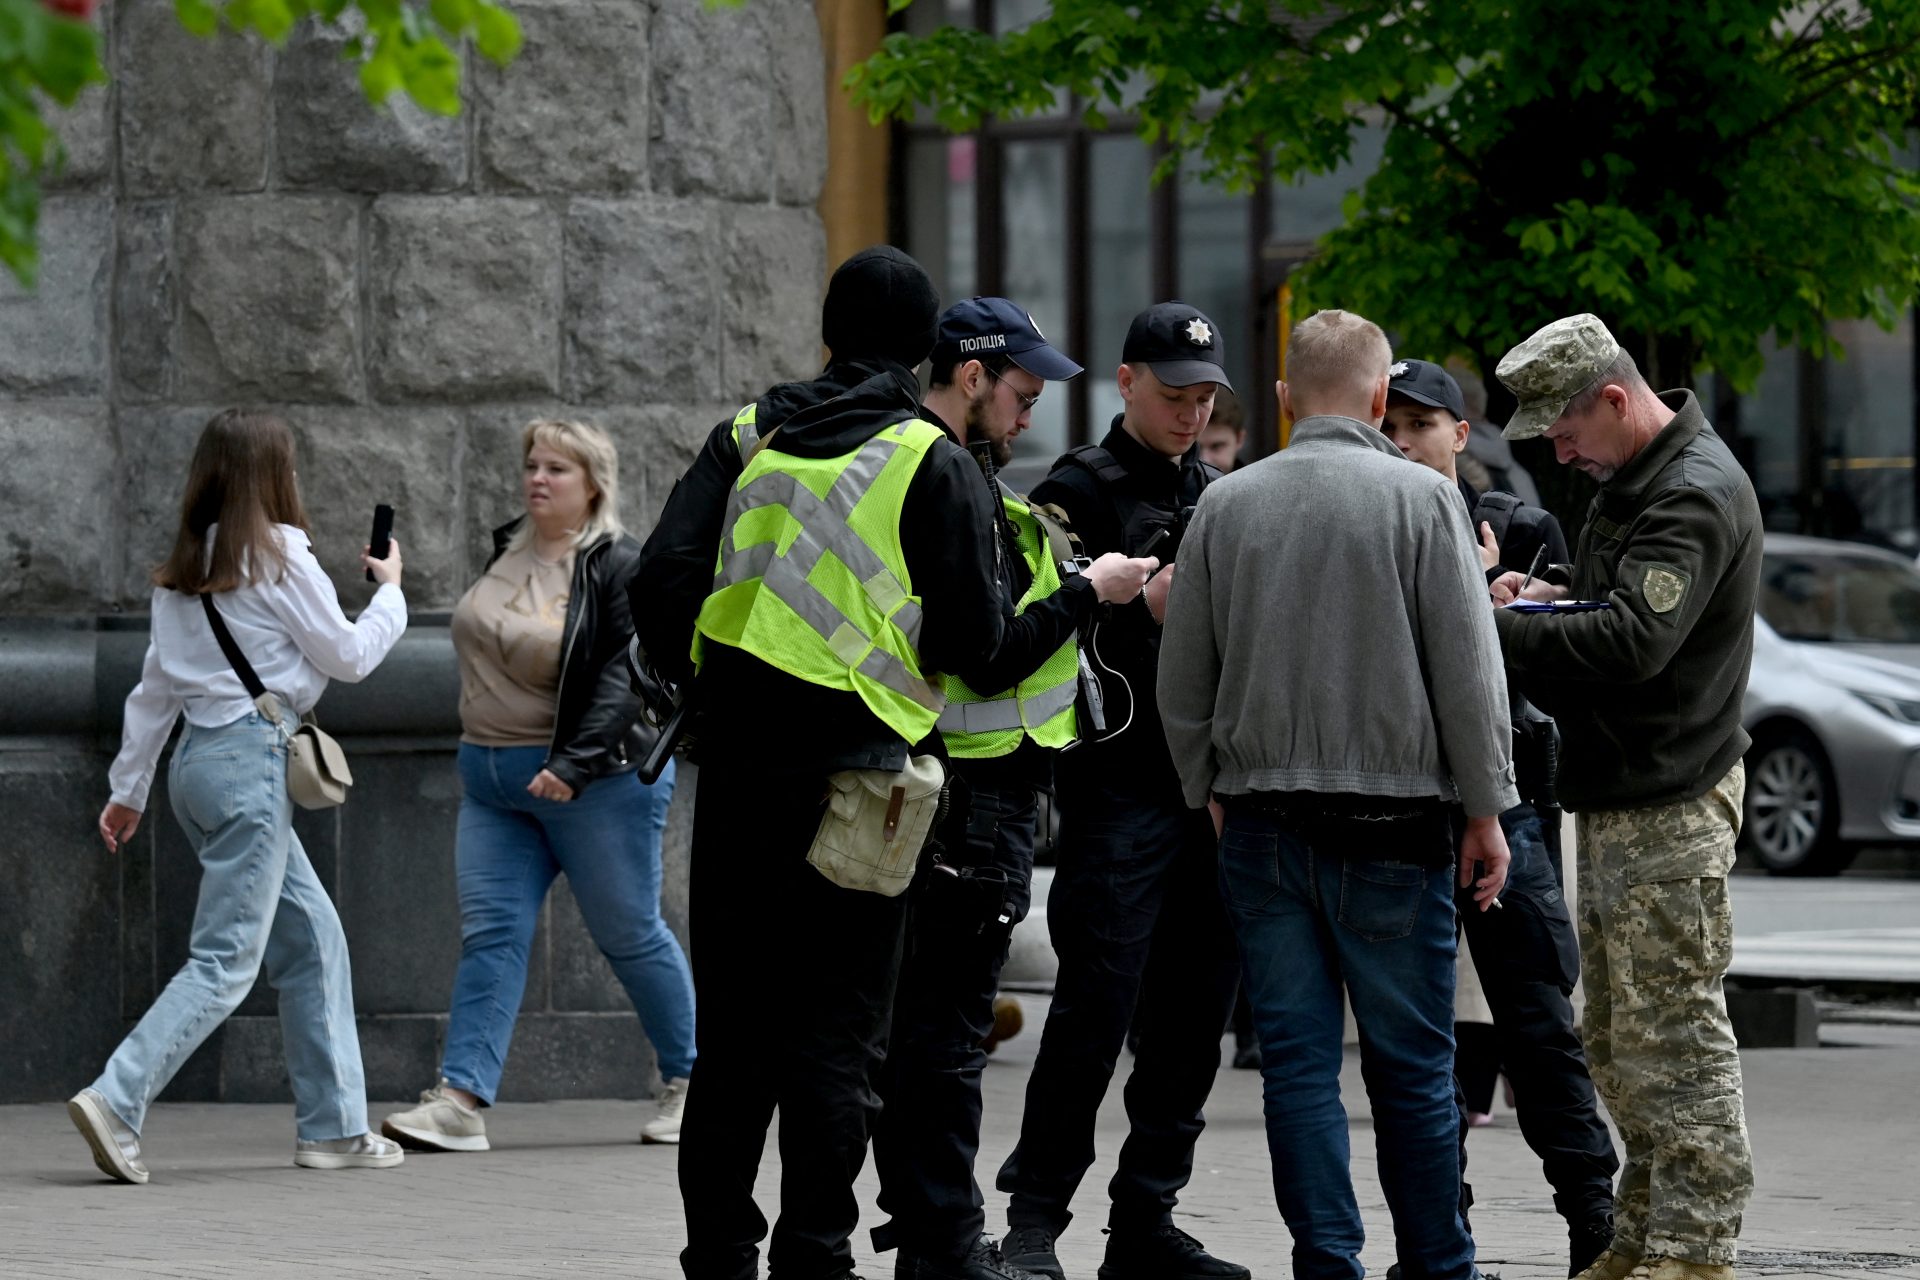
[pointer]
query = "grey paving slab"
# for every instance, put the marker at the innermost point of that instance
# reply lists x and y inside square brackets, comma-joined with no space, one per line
[567,1191]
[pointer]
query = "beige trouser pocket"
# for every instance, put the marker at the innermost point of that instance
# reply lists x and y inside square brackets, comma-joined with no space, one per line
[875,825]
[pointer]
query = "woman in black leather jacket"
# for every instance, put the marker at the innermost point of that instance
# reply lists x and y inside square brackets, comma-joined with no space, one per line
[548,748]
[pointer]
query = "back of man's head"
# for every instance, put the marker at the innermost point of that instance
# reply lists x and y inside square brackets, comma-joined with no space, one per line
[880,304]
[1337,364]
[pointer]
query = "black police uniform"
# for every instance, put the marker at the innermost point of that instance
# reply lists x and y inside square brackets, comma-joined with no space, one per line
[794,977]
[1527,954]
[928,1134]
[1135,911]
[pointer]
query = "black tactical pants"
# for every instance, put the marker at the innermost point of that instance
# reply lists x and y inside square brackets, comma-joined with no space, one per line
[1528,959]
[929,1129]
[1142,936]
[794,981]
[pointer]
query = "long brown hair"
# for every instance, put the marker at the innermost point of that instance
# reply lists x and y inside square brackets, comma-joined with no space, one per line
[241,479]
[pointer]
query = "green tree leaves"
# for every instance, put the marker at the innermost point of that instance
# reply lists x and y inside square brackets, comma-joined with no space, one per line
[1701,175]
[403,46]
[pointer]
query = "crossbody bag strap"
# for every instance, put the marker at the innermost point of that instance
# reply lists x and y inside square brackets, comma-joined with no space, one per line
[235,658]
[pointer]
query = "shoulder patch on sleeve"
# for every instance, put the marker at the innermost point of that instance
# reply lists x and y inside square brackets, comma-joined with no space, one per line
[1664,587]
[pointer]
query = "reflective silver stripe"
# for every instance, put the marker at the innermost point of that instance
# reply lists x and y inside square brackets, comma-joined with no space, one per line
[824,529]
[1043,707]
[746,433]
[997,715]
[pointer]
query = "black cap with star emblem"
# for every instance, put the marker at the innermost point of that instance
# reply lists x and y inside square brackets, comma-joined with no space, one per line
[1178,343]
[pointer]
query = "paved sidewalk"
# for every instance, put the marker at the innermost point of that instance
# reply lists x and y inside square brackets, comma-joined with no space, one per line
[567,1192]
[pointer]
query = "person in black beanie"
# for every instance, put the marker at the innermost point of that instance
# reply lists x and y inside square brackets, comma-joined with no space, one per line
[794,976]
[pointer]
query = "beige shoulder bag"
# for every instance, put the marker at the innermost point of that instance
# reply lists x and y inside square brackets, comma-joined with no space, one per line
[317,773]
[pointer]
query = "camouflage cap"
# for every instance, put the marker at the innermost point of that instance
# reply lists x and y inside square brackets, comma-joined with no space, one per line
[1552,367]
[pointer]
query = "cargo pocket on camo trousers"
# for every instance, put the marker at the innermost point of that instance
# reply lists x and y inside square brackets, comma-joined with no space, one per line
[1675,921]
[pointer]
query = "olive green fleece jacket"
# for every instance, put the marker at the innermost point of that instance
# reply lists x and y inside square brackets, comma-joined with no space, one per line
[1329,630]
[1648,693]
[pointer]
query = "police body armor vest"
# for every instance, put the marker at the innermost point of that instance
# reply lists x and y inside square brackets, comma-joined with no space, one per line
[977,727]
[811,578]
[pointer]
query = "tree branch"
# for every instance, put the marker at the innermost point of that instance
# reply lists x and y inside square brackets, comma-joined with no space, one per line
[1856,62]
[1439,138]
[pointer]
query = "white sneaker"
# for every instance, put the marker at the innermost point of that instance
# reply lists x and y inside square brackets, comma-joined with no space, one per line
[362,1152]
[665,1127]
[116,1148]
[439,1123]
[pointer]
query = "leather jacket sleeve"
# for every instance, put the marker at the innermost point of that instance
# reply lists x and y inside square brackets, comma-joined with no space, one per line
[599,737]
[675,574]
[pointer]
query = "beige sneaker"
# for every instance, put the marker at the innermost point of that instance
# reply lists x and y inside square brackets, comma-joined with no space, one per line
[672,1100]
[362,1152]
[1681,1269]
[438,1124]
[1610,1265]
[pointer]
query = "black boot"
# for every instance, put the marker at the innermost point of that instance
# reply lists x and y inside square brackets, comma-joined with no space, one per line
[1586,1241]
[1031,1250]
[982,1261]
[1164,1253]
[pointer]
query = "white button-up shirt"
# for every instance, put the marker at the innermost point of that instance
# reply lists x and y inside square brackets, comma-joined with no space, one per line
[291,631]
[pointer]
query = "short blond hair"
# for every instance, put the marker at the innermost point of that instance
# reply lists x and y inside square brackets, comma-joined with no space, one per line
[593,449]
[1335,355]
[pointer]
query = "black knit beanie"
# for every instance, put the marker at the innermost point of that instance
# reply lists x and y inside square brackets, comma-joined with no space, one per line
[880,303]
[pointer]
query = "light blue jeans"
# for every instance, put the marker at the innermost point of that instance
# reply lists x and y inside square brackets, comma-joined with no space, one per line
[260,902]
[511,845]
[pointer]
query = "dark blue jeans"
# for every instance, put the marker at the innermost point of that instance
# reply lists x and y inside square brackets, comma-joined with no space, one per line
[1313,917]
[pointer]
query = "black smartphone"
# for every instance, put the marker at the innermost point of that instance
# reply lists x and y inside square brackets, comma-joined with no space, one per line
[381,542]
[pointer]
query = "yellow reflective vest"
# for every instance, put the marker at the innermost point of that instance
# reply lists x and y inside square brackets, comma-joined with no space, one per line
[811,578]
[977,727]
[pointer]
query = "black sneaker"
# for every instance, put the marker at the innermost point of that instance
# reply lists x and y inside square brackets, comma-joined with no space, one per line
[1246,1057]
[1164,1253]
[982,1262]
[1031,1250]
[1586,1241]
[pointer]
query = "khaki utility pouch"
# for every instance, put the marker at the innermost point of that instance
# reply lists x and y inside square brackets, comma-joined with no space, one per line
[875,825]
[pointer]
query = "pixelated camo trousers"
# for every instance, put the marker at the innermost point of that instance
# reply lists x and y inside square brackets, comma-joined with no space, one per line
[1656,933]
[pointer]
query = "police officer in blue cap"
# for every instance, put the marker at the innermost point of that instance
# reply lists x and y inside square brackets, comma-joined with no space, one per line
[1003,724]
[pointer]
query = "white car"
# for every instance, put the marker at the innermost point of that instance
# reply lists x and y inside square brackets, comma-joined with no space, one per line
[1833,705]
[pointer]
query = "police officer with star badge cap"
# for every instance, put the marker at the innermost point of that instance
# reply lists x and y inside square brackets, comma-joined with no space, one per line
[1137,871]
[1648,692]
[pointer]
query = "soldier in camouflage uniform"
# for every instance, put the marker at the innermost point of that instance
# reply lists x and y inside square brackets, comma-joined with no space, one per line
[1648,696]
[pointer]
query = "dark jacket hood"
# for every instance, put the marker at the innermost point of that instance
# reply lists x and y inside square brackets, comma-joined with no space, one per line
[848,404]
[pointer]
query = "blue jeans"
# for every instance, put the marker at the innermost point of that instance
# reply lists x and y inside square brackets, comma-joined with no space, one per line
[1311,921]
[510,847]
[260,903]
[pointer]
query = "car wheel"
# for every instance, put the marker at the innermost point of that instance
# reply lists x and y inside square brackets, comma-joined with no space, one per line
[1792,816]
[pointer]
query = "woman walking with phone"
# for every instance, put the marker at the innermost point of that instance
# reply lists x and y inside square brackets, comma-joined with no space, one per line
[242,543]
[548,753]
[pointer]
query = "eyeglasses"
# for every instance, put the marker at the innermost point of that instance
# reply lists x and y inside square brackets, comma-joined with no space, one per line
[1026,402]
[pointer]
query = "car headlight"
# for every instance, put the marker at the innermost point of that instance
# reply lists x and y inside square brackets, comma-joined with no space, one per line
[1905,710]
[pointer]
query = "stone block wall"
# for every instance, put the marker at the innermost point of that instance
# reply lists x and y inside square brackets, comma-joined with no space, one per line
[619,226]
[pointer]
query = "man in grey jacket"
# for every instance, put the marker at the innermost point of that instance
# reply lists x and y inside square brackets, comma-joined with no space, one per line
[1318,588]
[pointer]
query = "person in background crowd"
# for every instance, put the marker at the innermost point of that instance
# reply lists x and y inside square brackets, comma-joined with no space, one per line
[1225,434]
[1337,767]
[241,558]
[548,748]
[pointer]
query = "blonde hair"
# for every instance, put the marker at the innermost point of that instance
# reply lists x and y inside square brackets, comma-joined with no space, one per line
[1335,356]
[594,451]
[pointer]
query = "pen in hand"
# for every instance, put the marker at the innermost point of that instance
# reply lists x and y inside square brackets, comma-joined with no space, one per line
[1532,569]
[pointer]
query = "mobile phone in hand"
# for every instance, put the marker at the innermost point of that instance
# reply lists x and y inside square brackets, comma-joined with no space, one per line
[381,542]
